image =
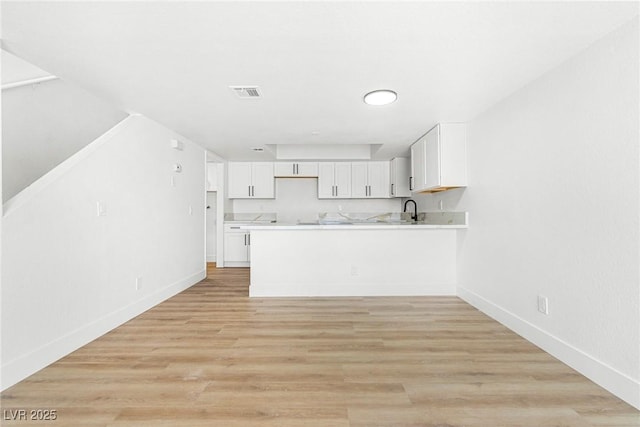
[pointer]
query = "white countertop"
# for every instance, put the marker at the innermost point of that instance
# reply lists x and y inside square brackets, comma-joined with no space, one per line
[357,226]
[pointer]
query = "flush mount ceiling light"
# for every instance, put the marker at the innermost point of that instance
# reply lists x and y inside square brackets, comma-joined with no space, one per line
[257,149]
[380,97]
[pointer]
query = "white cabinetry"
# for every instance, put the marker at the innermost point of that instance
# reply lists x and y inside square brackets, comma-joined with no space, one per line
[237,245]
[334,180]
[296,169]
[369,180]
[251,180]
[416,180]
[400,173]
[438,159]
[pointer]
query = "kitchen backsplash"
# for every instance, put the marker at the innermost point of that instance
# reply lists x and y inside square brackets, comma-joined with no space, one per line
[297,199]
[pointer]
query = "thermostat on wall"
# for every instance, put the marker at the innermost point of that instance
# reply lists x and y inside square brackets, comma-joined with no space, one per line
[177,167]
[177,145]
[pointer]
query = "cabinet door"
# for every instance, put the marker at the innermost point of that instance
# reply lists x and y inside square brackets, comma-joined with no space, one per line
[284,169]
[417,166]
[235,247]
[378,173]
[432,159]
[262,180]
[342,178]
[307,169]
[239,180]
[359,180]
[326,180]
[400,172]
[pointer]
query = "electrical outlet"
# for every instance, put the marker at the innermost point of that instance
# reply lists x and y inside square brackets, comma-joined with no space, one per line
[543,304]
[138,283]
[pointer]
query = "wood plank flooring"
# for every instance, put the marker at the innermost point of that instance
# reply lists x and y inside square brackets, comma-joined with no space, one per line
[211,356]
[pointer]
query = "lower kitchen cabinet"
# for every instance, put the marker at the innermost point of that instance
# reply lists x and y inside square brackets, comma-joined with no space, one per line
[237,244]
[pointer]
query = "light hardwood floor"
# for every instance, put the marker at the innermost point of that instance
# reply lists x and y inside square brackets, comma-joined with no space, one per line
[211,356]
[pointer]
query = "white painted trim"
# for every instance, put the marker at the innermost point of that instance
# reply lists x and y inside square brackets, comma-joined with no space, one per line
[233,264]
[19,369]
[349,289]
[220,199]
[212,258]
[29,82]
[621,385]
[54,174]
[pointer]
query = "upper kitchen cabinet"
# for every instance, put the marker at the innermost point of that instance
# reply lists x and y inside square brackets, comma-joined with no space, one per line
[334,180]
[400,172]
[438,159]
[251,180]
[370,180]
[296,169]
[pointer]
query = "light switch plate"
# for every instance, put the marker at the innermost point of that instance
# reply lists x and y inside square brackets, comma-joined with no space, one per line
[101,208]
[543,304]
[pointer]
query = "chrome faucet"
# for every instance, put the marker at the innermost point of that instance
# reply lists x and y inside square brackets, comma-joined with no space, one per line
[414,215]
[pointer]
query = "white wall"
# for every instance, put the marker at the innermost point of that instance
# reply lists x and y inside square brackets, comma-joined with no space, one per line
[297,198]
[554,208]
[68,275]
[44,124]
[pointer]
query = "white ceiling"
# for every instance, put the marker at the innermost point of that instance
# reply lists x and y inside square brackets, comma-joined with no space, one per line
[313,62]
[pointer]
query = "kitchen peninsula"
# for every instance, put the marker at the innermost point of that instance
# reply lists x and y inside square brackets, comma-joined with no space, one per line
[355,258]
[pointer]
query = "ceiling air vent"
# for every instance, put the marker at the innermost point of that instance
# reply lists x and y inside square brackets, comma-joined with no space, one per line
[246,92]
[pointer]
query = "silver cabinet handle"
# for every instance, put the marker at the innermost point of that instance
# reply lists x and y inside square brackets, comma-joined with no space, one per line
[293,168]
[245,240]
[392,193]
[410,183]
[249,190]
[249,239]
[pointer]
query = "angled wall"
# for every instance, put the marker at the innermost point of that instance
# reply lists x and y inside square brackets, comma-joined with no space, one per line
[104,236]
[44,124]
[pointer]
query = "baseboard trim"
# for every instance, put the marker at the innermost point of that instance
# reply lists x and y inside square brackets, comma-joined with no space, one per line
[617,383]
[21,368]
